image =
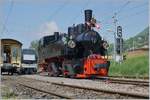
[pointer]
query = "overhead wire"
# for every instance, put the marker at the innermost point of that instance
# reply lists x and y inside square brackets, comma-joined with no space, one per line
[77,15]
[134,14]
[119,11]
[115,15]
[138,6]
[50,17]
[122,7]
[4,28]
[132,8]
[58,10]
[124,17]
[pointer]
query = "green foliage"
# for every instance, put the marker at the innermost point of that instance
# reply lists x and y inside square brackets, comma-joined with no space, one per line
[34,45]
[7,93]
[110,49]
[139,40]
[135,66]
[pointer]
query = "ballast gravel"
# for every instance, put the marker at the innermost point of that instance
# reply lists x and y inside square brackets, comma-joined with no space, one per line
[44,83]
[94,84]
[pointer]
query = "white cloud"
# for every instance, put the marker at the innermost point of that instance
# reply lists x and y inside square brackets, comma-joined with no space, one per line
[48,28]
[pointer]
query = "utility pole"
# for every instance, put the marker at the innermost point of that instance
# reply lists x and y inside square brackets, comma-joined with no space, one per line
[115,23]
[133,45]
[121,50]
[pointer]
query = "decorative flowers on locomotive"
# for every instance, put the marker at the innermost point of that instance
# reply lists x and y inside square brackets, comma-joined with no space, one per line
[80,53]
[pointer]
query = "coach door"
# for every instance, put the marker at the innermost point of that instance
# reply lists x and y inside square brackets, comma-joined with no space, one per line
[7,54]
[16,55]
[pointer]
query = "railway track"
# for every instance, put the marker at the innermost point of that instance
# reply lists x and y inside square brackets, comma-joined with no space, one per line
[130,77]
[126,94]
[124,81]
[128,82]
[45,91]
[107,91]
[121,80]
[122,93]
[67,90]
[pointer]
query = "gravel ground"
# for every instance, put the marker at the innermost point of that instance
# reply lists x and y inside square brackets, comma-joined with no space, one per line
[71,92]
[94,84]
[8,87]
[11,90]
[26,93]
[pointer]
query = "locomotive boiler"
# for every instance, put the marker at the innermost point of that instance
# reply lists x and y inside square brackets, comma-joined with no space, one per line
[80,53]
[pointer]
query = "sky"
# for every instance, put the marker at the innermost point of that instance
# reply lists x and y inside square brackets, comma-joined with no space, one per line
[28,20]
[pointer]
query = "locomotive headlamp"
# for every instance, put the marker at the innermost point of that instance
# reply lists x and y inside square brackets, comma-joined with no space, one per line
[71,44]
[105,45]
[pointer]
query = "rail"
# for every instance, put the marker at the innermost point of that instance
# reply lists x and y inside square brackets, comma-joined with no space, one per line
[124,81]
[144,96]
[44,91]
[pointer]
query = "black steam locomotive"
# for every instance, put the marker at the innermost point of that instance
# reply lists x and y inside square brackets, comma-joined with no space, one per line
[79,53]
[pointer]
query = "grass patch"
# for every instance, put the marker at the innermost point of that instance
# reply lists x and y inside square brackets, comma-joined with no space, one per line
[7,93]
[135,66]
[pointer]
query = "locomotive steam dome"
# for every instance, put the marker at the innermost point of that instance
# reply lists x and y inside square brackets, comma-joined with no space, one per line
[91,36]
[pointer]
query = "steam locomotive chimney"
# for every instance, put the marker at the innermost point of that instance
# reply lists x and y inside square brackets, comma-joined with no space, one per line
[88,17]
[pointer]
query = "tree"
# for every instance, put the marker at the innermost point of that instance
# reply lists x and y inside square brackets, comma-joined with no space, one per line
[34,45]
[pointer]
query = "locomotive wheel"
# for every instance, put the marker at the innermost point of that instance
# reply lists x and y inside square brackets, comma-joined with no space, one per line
[66,76]
[52,70]
[72,76]
[67,66]
[64,68]
[49,69]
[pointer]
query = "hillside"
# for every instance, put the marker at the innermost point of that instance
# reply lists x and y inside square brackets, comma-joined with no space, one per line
[137,41]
